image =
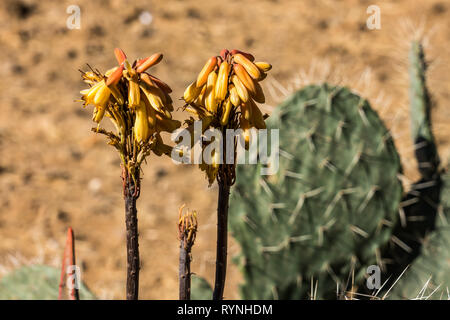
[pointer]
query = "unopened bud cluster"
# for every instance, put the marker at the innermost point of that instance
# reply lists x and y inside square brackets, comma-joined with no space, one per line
[137,103]
[225,94]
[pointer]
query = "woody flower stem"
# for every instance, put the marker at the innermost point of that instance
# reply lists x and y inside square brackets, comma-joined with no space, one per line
[225,179]
[222,234]
[230,106]
[131,194]
[184,273]
[124,94]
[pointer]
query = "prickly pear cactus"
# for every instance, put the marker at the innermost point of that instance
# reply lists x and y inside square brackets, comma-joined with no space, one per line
[322,218]
[35,282]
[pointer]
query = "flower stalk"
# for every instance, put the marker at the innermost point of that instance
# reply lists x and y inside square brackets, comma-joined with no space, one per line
[139,106]
[222,240]
[187,231]
[224,96]
[131,194]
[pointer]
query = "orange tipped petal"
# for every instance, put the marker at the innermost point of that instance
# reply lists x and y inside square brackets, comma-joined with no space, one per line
[219,62]
[120,55]
[224,53]
[249,66]
[245,78]
[161,84]
[249,56]
[115,76]
[150,61]
[146,78]
[206,70]
[139,62]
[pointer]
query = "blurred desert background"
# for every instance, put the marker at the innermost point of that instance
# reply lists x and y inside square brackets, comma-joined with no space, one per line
[55,173]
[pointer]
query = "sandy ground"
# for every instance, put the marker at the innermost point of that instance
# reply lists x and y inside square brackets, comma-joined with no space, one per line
[54,172]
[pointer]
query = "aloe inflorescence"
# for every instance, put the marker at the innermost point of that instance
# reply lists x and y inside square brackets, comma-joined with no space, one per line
[139,106]
[137,103]
[224,96]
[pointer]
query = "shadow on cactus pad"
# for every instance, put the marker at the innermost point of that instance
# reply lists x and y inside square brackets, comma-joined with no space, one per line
[428,276]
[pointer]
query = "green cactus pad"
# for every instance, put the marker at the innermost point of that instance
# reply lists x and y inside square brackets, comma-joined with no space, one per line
[35,282]
[329,208]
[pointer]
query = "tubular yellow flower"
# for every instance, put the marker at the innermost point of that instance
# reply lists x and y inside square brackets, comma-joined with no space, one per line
[234,97]
[201,97]
[146,63]
[102,96]
[98,114]
[192,92]
[251,68]
[207,68]
[116,94]
[263,66]
[141,126]
[246,110]
[240,88]
[244,77]
[210,96]
[226,112]
[154,99]
[89,94]
[221,87]
[134,94]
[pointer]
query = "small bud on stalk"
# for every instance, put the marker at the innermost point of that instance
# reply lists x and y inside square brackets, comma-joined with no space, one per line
[187,231]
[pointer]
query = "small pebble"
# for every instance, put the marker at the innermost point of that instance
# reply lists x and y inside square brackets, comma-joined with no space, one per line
[95,185]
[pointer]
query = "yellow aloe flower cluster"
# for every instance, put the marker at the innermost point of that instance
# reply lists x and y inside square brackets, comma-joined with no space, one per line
[225,94]
[137,103]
